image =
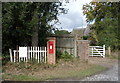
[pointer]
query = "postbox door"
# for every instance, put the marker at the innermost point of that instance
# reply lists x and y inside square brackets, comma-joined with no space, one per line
[51,47]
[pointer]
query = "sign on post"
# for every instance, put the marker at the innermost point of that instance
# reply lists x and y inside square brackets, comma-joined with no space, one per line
[22,52]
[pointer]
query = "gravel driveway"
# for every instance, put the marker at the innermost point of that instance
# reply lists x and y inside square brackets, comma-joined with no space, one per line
[109,75]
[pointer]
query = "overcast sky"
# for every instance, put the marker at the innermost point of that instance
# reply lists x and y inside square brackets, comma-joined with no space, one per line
[74,17]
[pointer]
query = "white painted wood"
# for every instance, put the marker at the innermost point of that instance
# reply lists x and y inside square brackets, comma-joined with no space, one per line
[22,51]
[94,55]
[37,53]
[45,54]
[103,51]
[31,53]
[11,60]
[97,51]
[92,51]
[40,54]
[14,54]
[96,46]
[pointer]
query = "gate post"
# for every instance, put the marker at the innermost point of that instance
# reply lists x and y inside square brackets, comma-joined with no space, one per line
[83,49]
[51,56]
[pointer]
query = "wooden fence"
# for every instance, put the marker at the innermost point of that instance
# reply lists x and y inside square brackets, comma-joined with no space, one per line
[97,51]
[26,54]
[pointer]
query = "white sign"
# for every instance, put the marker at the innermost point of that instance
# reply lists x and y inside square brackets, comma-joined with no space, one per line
[22,51]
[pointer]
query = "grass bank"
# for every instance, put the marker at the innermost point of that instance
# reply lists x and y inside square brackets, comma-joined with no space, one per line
[114,57]
[41,72]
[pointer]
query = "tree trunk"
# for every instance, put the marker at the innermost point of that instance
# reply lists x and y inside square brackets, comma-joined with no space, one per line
[35,37]
[35,29]
[109,51]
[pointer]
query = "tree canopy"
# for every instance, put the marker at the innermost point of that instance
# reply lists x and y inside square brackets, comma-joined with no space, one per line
[27,23]
[105,27]
[61,32]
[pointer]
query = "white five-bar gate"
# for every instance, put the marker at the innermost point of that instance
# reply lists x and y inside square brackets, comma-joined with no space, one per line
[97,51]
[26,54]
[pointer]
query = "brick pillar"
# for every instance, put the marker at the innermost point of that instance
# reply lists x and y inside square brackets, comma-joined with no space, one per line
[51,56]
[83,49]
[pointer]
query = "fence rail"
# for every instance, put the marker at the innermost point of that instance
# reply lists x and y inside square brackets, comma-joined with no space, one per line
[26,54]
[97,51]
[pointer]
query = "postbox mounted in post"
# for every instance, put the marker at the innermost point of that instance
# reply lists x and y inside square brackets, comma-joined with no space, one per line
[51,47]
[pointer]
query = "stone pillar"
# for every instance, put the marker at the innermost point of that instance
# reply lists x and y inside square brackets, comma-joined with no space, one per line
[83,49]
[51,56]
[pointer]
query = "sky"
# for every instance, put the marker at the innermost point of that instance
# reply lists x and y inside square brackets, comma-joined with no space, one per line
[74,18]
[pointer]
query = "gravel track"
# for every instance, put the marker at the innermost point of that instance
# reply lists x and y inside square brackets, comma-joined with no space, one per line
[109,75]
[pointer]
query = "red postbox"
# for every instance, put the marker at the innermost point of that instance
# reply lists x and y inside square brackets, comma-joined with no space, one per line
[51,47]
[51,57]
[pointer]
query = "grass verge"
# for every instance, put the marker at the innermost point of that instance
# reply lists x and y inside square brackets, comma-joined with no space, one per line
[114,57]
[78,74]
[75,69]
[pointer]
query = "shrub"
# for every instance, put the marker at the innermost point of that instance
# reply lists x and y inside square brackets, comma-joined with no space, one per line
[5,59]
[65,55]
[58,54]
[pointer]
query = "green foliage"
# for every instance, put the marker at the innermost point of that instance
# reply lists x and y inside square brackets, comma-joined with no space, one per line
[21,77]
[86,37]
[21,20]
[65,55]
[58,55]
[61,32]
[114,57]
[5,59]
[105,27]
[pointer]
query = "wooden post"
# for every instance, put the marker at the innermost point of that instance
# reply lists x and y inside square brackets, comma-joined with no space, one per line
[45,54]
[17,48]
[11,60]
[75,46]
[103,51]
[38,54]
[109,51]
[14,55]
[92,51]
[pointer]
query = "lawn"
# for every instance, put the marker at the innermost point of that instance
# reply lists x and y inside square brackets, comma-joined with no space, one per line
[40,72]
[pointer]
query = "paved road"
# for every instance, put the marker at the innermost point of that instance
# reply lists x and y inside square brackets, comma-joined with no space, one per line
[109,75]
